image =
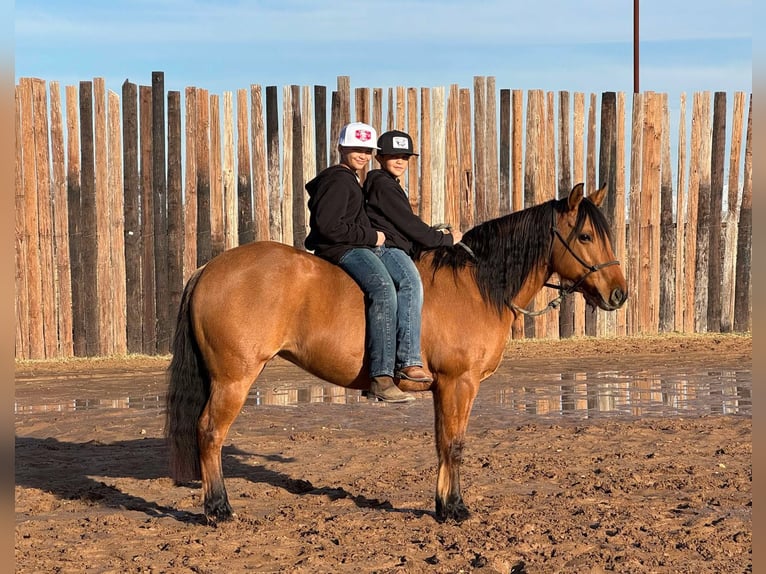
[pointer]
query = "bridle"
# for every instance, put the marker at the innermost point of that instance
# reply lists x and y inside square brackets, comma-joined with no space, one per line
[563,291]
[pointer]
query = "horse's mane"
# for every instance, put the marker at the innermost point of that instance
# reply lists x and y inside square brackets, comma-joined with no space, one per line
[508,248]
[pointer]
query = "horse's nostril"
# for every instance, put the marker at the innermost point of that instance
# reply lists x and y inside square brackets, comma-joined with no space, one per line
[618,296]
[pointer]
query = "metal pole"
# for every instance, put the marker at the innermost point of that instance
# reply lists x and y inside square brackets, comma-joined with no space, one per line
[635,47]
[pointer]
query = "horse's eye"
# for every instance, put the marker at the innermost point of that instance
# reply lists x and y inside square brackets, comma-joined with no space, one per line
[585,238]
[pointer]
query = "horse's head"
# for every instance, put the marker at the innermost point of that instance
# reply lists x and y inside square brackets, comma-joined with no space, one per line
[581,252]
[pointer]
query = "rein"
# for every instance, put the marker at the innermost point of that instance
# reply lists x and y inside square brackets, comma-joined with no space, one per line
[564,291]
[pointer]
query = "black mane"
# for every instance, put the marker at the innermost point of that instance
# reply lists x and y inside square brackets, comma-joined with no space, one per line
[509,247]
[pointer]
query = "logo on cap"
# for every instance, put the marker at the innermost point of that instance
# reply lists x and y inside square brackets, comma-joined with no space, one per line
[400,143]
[363,135]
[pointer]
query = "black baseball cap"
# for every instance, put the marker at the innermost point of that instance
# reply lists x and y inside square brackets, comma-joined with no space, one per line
[395,143]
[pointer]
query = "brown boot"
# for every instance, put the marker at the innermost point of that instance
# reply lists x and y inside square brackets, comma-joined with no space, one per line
[384,389]
[414,373]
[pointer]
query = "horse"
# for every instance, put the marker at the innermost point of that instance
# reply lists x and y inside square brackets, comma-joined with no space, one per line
[266,299]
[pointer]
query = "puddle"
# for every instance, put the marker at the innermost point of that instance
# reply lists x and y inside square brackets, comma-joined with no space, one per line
[585,394]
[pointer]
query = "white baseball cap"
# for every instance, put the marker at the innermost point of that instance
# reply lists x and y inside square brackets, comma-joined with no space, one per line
[358,134]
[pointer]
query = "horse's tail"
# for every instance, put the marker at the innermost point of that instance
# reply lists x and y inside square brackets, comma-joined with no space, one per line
[188,392]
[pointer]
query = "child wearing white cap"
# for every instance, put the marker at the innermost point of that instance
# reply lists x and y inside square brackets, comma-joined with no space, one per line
[341,233]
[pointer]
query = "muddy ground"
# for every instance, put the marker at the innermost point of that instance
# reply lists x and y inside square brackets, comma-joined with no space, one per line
[348,486]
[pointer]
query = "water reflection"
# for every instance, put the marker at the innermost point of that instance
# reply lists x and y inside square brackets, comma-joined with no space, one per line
[579,394]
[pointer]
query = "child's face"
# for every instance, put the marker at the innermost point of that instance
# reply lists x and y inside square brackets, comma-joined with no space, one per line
[396,165]
[355,157]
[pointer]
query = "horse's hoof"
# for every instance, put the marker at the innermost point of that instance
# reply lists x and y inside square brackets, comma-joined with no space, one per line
[219,513]
[452,513]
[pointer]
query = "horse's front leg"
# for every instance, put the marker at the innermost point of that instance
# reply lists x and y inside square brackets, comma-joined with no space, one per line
[453,399]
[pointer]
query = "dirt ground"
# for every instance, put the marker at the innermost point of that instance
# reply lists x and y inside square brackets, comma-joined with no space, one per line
[325,487]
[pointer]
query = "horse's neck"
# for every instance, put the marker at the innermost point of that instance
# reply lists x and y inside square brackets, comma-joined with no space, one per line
[531,286]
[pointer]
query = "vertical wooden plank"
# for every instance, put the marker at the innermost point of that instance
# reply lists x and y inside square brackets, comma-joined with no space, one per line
[245,218]
[590,185]
[607,169]
[633,259]
[309,153]
[132,215]
[45,218]
[490,157]
[287,166]
[103,242]
[190,184]
[413,179]
[401,108]
[31,224]
[690,231]
[391,110]
[480,148]
[549,320]
[175,210]
[732,208]
[261,169]
[702,262]
[467,204]
[377,110]
[273,153]
[160,213]
[230,208]
[116,208]
[298,181]
[343,94]
[89,230]
[62,277]
[649,217]
[362,107]
[437,155]
[504,162]
[21,298]
[743,310]
[74,208]
[619,214]
[451,164]
[715,267]
[216,179]
[680,291]
[517,154]
[148,275]
[667,276]
[425,155]
[578,163]
[202,147]
[566,310]
[531,179]
[320,126]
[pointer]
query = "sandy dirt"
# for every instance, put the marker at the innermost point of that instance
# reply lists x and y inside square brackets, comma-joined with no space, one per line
[324,487]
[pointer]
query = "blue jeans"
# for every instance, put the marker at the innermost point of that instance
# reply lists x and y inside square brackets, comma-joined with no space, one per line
[394,303]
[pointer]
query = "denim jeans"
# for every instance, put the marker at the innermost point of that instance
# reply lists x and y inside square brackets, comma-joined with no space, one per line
[394,303]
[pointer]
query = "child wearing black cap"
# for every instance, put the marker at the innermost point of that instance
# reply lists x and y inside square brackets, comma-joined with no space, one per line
[389,211]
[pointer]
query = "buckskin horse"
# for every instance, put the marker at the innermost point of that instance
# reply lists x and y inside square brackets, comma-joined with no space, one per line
[266,299]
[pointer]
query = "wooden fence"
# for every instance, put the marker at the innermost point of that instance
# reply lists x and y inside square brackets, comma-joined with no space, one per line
[119,197]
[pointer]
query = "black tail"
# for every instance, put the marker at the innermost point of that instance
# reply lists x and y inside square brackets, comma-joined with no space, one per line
[188,391]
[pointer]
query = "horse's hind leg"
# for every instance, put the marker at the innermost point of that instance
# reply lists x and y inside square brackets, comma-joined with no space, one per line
[453,399]
[223,406]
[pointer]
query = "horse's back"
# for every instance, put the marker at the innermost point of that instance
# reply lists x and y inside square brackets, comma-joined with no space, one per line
[266,298]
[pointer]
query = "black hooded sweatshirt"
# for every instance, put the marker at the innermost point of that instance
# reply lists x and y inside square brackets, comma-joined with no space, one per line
[388,209]
[337,221]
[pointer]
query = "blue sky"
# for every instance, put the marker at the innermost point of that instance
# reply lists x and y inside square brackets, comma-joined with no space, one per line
[225,45]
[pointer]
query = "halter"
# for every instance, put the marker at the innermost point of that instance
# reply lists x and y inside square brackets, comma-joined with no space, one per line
[563,291]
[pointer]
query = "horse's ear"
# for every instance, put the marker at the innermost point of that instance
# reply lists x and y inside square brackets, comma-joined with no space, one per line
[575,196]
[597,197]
